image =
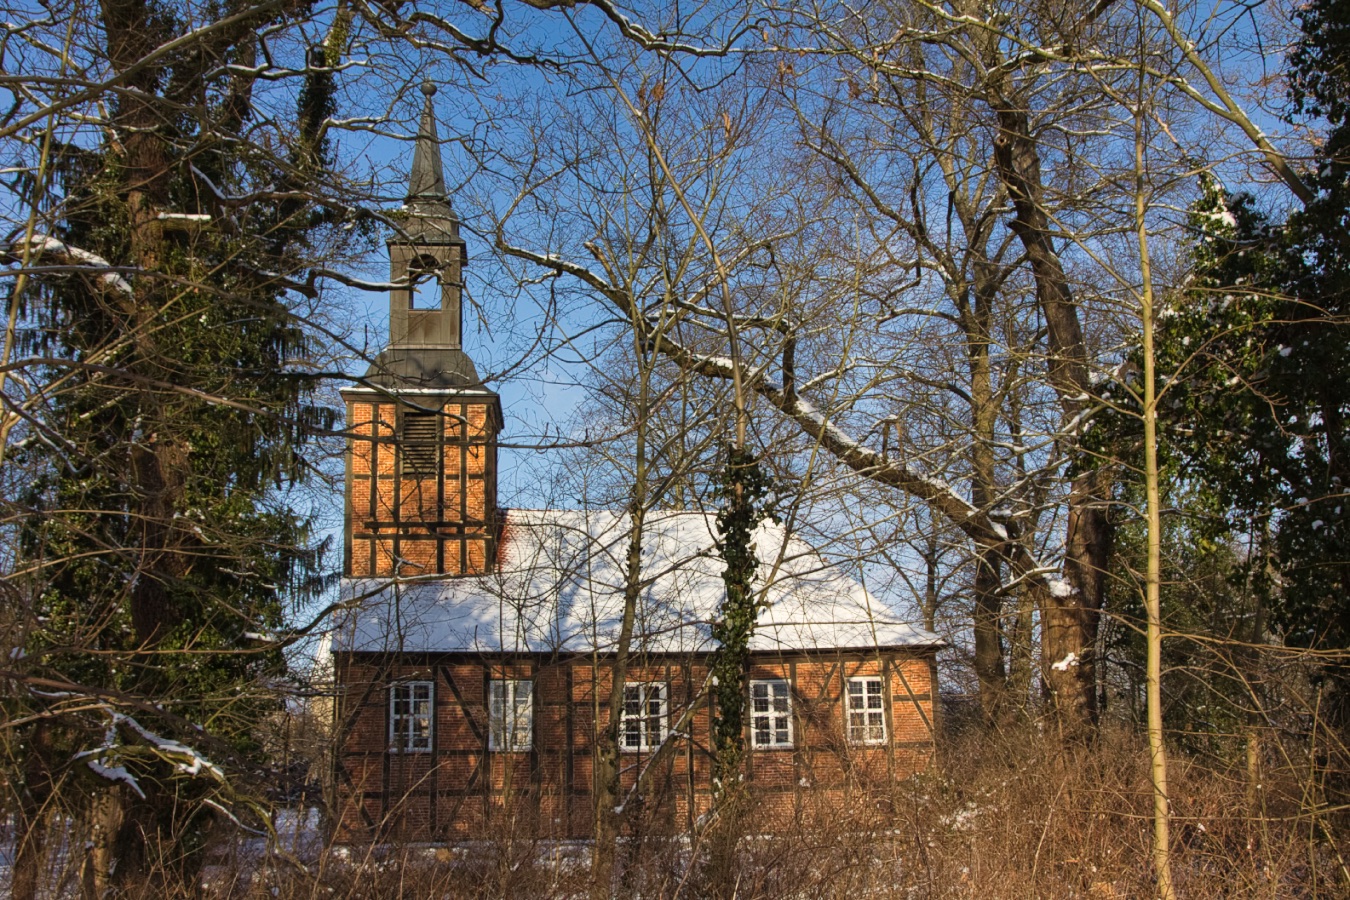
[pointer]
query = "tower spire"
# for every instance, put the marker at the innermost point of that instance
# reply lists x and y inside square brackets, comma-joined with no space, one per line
[427,181]
[430,220]
[427,257]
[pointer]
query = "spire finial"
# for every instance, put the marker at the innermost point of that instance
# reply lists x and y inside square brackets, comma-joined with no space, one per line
[428,174]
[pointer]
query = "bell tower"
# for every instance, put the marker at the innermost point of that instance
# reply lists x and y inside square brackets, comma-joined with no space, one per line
[421,466]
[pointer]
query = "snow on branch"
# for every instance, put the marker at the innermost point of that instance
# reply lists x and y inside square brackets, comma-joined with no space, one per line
[106,760]
[74,257]
[184,759]
[103,762]
[848,449]
[843,446]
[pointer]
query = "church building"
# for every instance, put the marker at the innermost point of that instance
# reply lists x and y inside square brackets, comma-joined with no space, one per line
[473,668]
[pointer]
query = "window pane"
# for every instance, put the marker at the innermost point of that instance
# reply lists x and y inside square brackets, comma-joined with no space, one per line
[866,710]
[410,712]
[644,716]
[770,713]
[511,714]
[522,721]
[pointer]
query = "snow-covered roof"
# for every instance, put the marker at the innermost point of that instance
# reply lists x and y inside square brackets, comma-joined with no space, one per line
[560,588]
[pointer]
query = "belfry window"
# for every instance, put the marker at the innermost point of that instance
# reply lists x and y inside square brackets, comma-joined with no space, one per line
[424,283]
[418,443]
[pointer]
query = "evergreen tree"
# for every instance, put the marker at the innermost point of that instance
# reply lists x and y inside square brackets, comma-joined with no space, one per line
[1256,350]
[158,532]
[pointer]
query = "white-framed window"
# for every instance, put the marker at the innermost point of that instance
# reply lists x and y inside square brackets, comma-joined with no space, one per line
[510,715]
[410,717]
[866,710]
[770,714]
[645,711]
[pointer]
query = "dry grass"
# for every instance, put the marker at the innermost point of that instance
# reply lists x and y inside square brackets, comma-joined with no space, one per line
[1002,816]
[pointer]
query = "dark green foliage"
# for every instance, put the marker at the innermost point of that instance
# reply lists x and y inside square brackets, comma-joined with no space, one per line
[1255,354]
[746,500]
[160,526]
[1208,682]
[1258,411]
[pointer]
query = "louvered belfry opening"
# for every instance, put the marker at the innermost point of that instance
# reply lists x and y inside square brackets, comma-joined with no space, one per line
[420,443]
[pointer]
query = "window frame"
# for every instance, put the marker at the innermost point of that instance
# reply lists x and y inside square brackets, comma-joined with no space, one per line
[770,714]
[644,691]
[503,694]
[862,734]
[407,740]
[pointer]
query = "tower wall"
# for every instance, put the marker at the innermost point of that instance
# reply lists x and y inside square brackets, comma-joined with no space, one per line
[421,485]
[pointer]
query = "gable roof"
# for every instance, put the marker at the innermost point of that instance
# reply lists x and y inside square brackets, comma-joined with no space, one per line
[559,588]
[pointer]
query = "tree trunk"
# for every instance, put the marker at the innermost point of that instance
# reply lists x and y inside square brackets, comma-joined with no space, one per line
[1020,650]
[608,811]
[606,815]
[158,460]
[105,820]
[1070,617]
[1162,852]
[989,666]
[30,832]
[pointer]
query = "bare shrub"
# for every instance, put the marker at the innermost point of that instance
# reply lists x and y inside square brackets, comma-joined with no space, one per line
[1016,815]
[1010,814]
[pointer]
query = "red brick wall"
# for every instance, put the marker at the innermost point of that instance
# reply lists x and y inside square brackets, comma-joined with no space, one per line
[460,790]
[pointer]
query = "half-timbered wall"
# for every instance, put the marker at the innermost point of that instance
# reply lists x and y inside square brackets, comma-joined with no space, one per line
[462,790]
[421,486]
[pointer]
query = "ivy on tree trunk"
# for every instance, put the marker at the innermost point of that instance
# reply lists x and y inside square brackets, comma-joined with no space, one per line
[746,501]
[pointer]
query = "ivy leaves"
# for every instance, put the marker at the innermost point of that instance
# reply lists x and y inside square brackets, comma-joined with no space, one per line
[746,495]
